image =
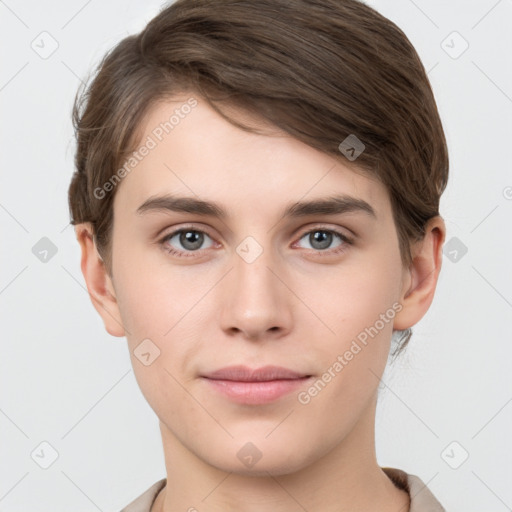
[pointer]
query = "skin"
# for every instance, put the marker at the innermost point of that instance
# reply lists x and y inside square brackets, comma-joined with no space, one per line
[295,305]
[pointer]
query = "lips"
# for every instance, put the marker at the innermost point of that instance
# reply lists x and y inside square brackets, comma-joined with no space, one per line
[245,374]
[257,386]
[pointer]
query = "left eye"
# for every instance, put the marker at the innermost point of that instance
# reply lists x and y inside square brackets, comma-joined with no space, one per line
[321,239]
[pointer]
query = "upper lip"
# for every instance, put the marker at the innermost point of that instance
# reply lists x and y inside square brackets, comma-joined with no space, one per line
[246,374]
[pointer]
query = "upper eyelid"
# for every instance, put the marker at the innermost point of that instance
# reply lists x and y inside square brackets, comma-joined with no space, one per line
[176,231]
[318,227]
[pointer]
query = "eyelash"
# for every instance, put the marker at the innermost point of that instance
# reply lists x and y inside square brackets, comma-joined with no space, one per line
[347,241]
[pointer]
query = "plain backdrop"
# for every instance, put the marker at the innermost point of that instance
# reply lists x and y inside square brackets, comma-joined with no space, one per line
[445,410]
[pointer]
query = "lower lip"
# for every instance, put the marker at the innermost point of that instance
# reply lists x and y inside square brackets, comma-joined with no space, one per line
[256,392]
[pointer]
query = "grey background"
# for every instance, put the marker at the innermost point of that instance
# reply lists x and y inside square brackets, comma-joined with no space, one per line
[65,381]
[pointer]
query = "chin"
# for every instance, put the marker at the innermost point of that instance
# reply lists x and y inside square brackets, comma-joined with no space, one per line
[259,459]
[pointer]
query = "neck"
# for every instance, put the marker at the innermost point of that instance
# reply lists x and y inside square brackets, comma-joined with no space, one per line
[347,478]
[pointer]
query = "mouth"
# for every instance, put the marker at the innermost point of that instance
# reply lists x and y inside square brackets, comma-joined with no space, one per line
[257,386]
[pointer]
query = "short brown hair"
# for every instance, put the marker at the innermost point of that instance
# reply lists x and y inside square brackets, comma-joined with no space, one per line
[319,70]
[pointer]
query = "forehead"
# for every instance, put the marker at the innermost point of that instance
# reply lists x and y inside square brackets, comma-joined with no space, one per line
[187,148]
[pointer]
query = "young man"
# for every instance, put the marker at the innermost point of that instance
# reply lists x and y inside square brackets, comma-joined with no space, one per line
[256,199]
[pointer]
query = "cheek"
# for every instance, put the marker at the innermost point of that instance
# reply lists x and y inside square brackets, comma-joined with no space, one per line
[165,305]
[160,337]
[359,305]
[353,297]
[150,296]
[353,359]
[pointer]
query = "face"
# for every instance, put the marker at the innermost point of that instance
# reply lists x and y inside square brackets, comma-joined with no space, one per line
[270,282]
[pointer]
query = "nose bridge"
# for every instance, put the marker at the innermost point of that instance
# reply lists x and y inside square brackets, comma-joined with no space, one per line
[254,280]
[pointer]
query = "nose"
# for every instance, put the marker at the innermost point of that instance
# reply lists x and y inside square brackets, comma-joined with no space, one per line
[256,302]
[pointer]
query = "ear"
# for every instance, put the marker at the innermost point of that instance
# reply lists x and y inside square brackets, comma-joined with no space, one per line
[99,284]
[420,279]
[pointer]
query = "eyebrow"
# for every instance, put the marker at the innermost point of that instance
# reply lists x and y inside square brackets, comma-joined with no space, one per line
[333,205]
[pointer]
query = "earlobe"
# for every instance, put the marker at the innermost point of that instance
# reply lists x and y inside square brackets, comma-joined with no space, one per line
[420,281]
[99,284]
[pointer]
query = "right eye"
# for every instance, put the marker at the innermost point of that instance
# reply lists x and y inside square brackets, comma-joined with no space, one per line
[190,240]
